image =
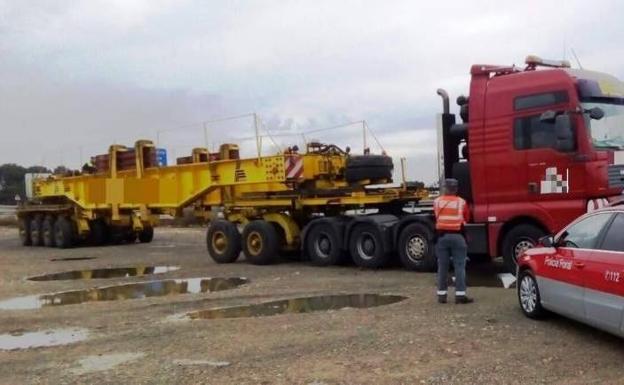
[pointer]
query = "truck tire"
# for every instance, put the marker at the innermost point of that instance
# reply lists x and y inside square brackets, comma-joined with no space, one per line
[516,241]
[24,231]
[356,161]
[372,173]
[366,246]
[260,242]
[131,236]
[100,234]
[223,241]
[146,235]
[63,233]
[35,231]
[47,230]
[416,249]
[323,245]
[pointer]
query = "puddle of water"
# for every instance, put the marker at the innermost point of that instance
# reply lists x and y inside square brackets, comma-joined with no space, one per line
[72,259]
[125,291]
[103,362]
[299,305]
[187,362]
[114,272]
[52,337]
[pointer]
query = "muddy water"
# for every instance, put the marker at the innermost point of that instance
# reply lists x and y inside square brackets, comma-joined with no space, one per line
[114,272]
[53,337]
[299,305]
[125,291]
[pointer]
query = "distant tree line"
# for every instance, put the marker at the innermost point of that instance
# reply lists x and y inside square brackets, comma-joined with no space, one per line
[12,180]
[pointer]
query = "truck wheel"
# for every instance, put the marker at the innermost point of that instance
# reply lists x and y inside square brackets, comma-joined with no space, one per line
[63,233]
[131,236]
[416,248]
[529,296]
[323,245]
[99,234]
[366,246]
[260,242]
[223,241]
[146,235]
[35,231]
[47,229]
[516,241]
[24,231]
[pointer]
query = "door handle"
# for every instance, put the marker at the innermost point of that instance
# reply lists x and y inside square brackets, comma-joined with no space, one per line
[579,265]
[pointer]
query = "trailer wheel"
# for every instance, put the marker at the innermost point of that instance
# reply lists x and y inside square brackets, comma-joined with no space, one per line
[131,236]
[223,241]
[516,241]
[366,246]
[146,235]
[47,229]
[63,232]
[323,245]
[99,234]
[416,248]
[35,231]
[24,231]
[260,242]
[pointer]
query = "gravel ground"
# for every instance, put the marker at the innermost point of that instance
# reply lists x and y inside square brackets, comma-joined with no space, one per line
[415,341]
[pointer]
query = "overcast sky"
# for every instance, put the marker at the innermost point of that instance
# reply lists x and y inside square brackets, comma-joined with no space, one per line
[76,76]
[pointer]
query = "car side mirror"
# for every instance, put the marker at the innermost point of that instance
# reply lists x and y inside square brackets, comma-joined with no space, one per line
[596,113]
[548,116]
[547,241]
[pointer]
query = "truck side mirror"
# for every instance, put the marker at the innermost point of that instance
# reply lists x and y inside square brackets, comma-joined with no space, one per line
[564,133]
[548,116]
[596,113]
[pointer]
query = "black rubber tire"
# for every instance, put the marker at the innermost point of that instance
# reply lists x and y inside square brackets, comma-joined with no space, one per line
[100,232]
[264,233]
[357,161]
[146,235]
[47,231]
[520,233]
[371,173]
[35,228]
[421,237]
[64,234]
[117,235]
[367,236]
[538,311]
[131,236]
[23,227]
[324,245]
[228,232]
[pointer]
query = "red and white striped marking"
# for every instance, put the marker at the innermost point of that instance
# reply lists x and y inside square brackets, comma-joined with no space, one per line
[293,165]
[596,204]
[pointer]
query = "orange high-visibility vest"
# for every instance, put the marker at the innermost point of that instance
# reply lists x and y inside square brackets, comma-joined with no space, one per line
[451,213]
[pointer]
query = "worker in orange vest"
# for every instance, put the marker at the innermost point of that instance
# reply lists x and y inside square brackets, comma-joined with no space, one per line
[451,214]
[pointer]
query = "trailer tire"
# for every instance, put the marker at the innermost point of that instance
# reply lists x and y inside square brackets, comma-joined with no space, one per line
[35,231]
[146,235]
[416,249]
[24,231]
[323,245]
[260,242]
[356,161]
[371,173]
[366,246]
[517,240]
[47,231]
[99,234]
[63,232]
[223,241]
[131,236]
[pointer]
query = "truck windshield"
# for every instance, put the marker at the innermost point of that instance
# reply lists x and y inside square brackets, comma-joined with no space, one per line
[607,132]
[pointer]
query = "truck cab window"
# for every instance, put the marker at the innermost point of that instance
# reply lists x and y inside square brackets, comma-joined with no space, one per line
[530,132]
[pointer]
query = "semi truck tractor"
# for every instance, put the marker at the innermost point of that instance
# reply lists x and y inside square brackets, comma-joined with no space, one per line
[532,148]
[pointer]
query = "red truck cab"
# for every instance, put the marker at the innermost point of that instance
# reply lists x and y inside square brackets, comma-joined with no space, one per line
[537,148]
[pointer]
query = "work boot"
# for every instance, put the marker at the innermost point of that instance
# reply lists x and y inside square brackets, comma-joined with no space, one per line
[462,299]
[441,298]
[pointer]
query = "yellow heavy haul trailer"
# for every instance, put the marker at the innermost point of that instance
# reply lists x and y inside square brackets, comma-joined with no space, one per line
[317,204]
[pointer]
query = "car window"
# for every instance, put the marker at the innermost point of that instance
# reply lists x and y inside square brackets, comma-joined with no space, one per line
[584,233]
[613,239]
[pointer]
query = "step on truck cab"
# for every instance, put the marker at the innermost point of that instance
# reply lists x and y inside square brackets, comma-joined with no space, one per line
[535,148]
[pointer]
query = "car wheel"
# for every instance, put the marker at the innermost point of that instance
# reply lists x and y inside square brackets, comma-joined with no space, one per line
[518,240]
[529,295]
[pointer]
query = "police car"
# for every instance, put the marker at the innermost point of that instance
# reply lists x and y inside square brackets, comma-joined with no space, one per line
[579,273]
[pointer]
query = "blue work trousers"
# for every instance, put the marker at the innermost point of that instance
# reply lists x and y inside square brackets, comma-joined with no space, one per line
[451,245]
